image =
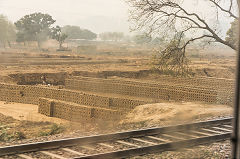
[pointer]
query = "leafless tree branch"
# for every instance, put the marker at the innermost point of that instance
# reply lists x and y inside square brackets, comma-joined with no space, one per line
[229,11]
[157,13]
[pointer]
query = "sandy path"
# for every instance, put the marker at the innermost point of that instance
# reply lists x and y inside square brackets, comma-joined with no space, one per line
[26,112]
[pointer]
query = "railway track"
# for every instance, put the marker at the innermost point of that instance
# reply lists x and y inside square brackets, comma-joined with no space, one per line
[125,144]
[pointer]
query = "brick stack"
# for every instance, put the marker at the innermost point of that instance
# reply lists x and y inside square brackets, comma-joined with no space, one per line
[143,89]
[81,100]
[61,102]
[75,112]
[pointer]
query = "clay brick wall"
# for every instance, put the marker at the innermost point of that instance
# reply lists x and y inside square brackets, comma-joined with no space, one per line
[30,95]
[203,82]
[75,105]
[95,105]
[125,104]
[198,82]
[75,112]
[143,89]
[35,78]
[46,107]
[20,93]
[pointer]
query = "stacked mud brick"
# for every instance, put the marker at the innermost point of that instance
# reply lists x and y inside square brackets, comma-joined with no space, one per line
[89,99]
[68,104]
[75,112]
[210,90]
[35,78]
[223,87]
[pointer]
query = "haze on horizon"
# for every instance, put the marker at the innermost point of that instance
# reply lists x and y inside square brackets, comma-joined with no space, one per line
[95,15]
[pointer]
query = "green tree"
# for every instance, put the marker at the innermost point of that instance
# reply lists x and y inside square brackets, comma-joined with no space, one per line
[88,35]
[75,32]
[58,35]
[232,33]
[7,31]
[34,27]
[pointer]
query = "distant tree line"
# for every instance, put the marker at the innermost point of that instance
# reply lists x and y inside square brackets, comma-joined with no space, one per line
[141,38]
[75,32]
[39,27]
[34,27]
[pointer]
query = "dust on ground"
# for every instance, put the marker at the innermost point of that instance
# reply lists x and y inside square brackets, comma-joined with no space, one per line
[27,112]
[13,130]
[12,61]
[174,113]
[22,121]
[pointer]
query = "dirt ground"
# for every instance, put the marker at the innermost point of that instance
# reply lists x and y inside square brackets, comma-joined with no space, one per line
[210,63]
[13,130]
[26,112]
[20,123]
[149,114]
[174,113]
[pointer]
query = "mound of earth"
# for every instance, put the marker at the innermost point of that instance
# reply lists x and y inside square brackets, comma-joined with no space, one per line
[174,113]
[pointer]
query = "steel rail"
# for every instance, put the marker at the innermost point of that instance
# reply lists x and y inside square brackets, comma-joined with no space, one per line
[159,147]
[39,146]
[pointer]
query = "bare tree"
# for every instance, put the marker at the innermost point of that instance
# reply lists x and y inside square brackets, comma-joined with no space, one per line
[173,17]
[160,14]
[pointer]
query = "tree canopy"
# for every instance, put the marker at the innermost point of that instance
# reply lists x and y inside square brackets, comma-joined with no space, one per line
[75,32]
[58,35]
[232,34]
[7,31]
[34,27]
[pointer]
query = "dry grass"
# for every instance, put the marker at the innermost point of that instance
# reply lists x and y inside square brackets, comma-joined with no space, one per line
[12,129]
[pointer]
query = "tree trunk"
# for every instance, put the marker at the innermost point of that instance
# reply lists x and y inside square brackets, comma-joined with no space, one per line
[60,45]
[39,44]
[9,44]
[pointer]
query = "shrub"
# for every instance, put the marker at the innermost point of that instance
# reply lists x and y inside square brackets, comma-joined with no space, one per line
[6,136]
[54,129]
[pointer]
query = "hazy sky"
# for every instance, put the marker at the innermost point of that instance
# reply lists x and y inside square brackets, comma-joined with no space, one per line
[96,15]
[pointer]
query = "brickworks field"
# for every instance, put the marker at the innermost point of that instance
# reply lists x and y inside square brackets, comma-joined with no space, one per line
[110,89]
